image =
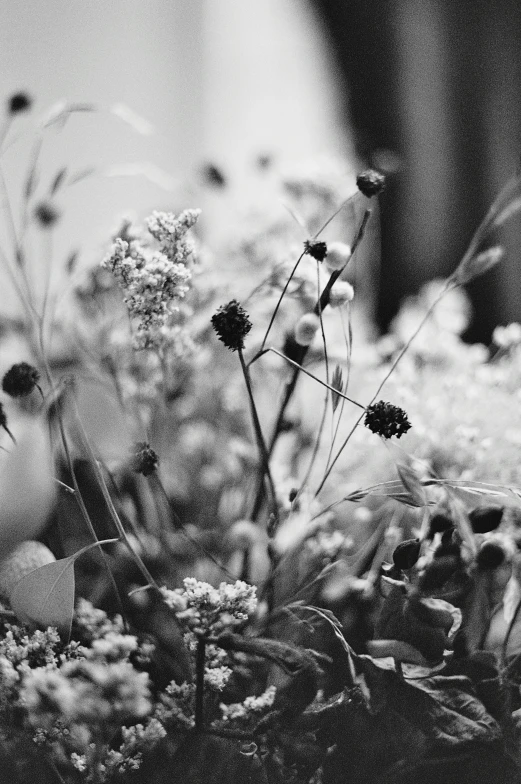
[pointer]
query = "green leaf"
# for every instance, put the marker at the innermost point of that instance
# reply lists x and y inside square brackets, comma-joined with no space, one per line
[45,596]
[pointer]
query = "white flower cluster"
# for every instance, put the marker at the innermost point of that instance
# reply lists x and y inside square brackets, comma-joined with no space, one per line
[240,711]
[154,279]
[205,610]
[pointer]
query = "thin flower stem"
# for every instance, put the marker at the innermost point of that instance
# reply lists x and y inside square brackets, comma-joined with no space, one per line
[265,460]
[318,380]
[110,505]
[449,285]
[301,353]
[199,684]
[277,306]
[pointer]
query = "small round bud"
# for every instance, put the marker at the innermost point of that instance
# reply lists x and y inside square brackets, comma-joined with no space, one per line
[18,102]
[144,460]
[20,380]
[341,293]
[485,518]
[23,559]
[293,494]
[370,182]
[406,554]
[386,420]
[338,254]
[316,248]
[47,214]
[306,329]
[231,323]
[490,556]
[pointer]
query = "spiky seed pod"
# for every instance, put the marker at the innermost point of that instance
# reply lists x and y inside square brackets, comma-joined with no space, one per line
[316,248]
[486,518]
[20,380]
[23,559]
[386,420]
[231,323]
[18,102]
[370,182]
[406,554]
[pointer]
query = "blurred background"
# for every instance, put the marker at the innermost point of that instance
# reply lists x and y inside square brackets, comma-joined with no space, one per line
[427,90]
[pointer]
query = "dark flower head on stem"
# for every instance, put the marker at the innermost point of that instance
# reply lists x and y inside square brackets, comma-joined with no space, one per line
[370,182]
[144,460]
[386,420]
[20,380]
[316,248]
[231,324]
[18,102]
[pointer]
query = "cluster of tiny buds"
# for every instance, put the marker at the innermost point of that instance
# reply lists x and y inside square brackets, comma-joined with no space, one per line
[231,323]
[386,420]
[370,183]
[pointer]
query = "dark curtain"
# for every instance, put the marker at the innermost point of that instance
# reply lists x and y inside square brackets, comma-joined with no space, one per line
[438,84]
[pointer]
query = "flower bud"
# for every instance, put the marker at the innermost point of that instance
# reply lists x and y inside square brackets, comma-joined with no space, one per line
[20,380]
[19,102]
[338,254]
[144,460]
[231,323]
[306,329]
[386,420]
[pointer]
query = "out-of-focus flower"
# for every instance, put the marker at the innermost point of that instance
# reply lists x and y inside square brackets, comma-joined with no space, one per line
[506,337]
[341,293]
[19,102]
[338,254]
[306,329]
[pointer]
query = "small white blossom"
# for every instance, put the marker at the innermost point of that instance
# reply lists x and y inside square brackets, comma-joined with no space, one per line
[306,329]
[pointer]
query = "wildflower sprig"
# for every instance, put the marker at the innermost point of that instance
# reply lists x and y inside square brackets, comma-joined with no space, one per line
[154,280]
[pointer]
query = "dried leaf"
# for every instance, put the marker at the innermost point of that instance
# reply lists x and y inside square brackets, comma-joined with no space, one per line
[337,382]
[412,483]
[58,181]
[45,596]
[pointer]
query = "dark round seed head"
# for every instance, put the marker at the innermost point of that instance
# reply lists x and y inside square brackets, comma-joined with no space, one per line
[485,518]
[386,420]
[231,324]
[20,380]
[316,248]
[490,556]
[406,554]
[144,460]
[19,102]
[370,182]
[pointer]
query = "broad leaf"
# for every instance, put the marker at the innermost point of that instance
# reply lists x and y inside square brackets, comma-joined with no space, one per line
[45,596]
